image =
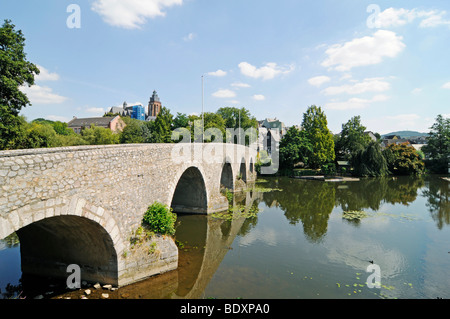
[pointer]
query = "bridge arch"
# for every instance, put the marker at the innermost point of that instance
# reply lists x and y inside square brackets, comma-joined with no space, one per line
[65,232]
[243,170]
[226,176]
[190,194]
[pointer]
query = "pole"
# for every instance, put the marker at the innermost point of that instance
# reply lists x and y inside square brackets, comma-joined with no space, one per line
[203,119]
[239,129]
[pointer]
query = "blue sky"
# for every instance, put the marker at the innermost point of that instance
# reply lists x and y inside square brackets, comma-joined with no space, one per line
[387,61]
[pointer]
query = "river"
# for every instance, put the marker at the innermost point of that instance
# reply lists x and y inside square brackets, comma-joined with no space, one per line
[297,239]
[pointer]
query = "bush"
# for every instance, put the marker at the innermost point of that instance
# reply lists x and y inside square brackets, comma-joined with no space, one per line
[160,219]
[328,169]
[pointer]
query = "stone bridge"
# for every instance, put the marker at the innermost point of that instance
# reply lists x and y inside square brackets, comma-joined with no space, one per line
[81,205]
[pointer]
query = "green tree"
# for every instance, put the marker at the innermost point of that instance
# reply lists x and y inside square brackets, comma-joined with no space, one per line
[162,127]
[15,71]
[316,129]
[352,139]
[181,120]
[294,147]
[212,121]
[370,162]
[438,148]
[134,132]
[403,160]
[40,135]
[231,116]
[99,136]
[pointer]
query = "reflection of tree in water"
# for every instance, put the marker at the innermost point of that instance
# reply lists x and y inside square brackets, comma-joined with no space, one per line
[310,202]
[11,240]
[370,193]
[403,189]
[11,291]
[438,204]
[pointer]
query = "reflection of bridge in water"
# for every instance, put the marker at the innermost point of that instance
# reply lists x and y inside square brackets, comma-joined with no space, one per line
[204,242]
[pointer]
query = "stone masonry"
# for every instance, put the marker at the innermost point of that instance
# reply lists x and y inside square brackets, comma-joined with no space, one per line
[81,204]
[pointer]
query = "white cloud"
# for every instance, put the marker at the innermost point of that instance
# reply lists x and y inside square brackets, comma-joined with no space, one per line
[416,91]
[393,17]
[266,72]
[46,75]
[259,97]
[355,103]
[446,86]
[191,36]
[57,118]
[42,95]
[224,94]
[240,85]
[38,94]
[319,80]
[131,14]
[368,50]
[218,73]
[95,110]
[405,121]
[367,85]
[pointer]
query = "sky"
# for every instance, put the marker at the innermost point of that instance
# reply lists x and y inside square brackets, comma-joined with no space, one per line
[386,61]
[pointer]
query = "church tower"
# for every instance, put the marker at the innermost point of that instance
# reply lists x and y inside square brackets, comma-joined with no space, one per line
[154,105]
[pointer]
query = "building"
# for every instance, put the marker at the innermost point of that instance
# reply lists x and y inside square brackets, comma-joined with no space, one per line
[138,111]
[154,105]
[270,133]
[114,123]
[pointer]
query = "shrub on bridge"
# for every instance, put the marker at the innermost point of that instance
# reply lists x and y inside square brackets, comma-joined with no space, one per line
[160,219]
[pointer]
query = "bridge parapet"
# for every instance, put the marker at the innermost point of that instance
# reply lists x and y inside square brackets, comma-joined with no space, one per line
[112,186]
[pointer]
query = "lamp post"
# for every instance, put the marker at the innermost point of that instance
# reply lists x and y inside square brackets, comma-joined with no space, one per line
[203,116]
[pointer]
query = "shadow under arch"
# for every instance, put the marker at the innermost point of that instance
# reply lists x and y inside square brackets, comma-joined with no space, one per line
[49,245]
[190,194]
[226,176]
[243,170]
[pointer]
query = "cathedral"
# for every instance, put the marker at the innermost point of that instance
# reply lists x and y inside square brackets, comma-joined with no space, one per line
[138,111]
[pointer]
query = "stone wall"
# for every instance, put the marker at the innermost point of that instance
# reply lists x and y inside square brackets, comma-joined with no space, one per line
[113,186]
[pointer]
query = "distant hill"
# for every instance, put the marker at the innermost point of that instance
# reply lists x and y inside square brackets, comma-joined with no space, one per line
[406,134]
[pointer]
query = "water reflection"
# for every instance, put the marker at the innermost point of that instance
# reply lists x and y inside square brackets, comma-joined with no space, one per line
[311,202]
[205,242]
[437,194]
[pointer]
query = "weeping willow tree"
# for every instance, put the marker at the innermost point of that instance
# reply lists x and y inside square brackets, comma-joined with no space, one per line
[370,162]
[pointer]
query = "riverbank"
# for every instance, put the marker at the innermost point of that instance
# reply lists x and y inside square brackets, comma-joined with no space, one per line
[328,179]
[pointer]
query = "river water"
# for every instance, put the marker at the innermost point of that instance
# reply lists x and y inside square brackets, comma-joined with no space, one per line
[294,239]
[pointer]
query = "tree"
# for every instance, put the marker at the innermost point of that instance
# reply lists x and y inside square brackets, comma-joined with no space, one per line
[316,131]
[231,116]
[162,127]
[16,71]
[370,162]
[438,148]
[136,131]
[181,120]
[99,136]
[352,139]
[294,148]
[403,159]
[212,121]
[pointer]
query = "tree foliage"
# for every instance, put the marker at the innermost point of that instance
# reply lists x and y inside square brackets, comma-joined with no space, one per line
[161,128]
[403,159]
[352,139]
[315,125]
[438,147]
[96,135]
[16,71]
[370,162]
[294,148]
